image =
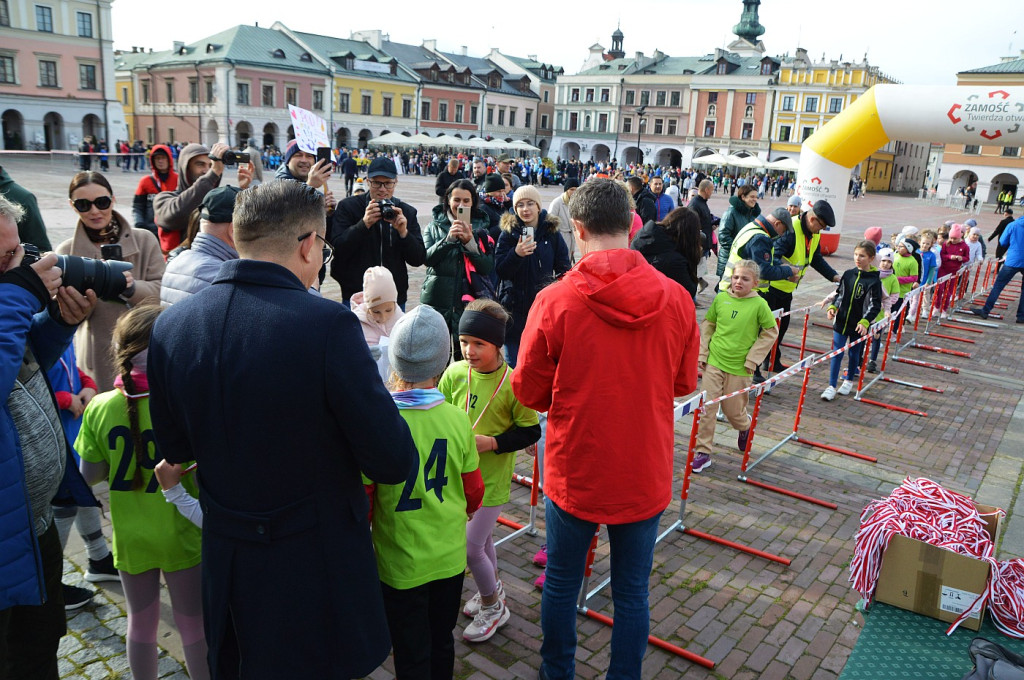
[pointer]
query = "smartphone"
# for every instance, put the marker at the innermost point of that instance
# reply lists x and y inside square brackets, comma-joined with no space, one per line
[528,232]
[462,212]
[242,158]
[111,251]
[323,153]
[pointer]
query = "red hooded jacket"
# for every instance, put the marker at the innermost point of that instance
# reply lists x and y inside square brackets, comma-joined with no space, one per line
[604,352]
[149,186]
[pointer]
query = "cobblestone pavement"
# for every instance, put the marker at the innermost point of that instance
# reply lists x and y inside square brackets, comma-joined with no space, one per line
[754,618]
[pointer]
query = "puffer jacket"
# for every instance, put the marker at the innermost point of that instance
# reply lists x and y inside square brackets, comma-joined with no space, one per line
[523,277]
[446,282]
[736,216]
[172,209]
[194,269]
[151,185]
[657,247]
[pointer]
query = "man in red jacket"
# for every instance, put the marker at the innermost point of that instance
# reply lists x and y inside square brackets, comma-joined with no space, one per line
[624,341]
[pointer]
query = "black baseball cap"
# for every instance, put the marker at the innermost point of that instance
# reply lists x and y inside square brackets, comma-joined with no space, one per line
[382,167]
[219,204]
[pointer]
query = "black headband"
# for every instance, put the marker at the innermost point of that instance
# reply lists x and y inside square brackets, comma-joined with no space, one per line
[484,326]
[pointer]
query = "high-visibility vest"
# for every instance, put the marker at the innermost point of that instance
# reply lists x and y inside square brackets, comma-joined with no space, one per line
[742,238]
[803,252]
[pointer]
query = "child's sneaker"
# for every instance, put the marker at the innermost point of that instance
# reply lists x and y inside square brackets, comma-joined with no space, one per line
[701,462]
[486,622]
[102,570]
[741,440]
[845,388]
[539,582]
[830,393]
[474,603]
[541,557]
[872,366]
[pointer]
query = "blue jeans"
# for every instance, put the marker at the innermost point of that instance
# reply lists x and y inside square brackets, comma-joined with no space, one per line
[1006,274]
[632,553]
[836,365]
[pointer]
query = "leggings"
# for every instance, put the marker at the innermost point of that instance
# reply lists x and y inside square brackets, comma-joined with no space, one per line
[483,561]
[87,520]
[142,597]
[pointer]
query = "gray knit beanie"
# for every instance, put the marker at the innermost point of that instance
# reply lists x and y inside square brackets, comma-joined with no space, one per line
[420,345]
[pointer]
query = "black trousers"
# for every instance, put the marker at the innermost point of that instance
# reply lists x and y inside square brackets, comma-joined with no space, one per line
[349,182]
[421,621]
[29,635]
[778,299]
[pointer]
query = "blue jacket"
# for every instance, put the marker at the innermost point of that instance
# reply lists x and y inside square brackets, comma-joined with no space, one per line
[272,391]
[195,268]
[21,296]
[1012,239]
[63,377]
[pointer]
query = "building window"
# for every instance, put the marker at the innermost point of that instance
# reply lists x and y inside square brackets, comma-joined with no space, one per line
[574,94]
[490,115]
[659,98]
[712,97]
[748,112]
[169,87]
[6,69]
[645,97]
[558,120]
[44,19]
[149,135]
[627,124]
[751,98]
[193,91]
[343,102]
[473,113]
[605,94]
[811,105]
[406,108]
[512,117]
[47,73]
[424,110]
[602,122]
[722,68]
[544,121]
[972,149]
[586,122]
[788,102]
[630,97]
[590,94]
[766,68]
[243,94]
[5,14]
[501,116]
[784,132]
[442,112]
[807,132]
[674,99]
[1013,151]
[171,135]
[367,104]
[291,96]
[659,126]
[318,100]
[835,104]
[748,131]
[546,96]
[386,106]
[145,92]
[574,121]
[267,97]
[672,126]
[124,96]
[709,128]
[528,123]
[712,110]
[459,112]
[84,21]
[209,92]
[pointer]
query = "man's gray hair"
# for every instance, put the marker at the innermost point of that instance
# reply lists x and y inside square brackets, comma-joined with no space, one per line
[11,210]
[705,184]
[276,213]
[602,206]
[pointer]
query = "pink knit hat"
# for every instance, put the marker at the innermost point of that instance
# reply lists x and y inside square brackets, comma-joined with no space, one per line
[873,234]
[379,287]
[956,231]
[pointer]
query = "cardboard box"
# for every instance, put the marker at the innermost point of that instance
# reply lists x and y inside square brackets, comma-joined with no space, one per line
[933,581]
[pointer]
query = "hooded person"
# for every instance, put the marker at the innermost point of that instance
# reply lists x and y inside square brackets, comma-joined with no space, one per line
[161,177]
[198,173]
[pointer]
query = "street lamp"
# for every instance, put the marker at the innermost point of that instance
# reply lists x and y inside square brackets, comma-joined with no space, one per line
[639,123]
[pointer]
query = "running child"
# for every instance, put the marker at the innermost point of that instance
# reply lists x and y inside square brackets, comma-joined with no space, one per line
[737,333]
[857,303]
[481,385]
[890,301]
[419,528]
[150,536]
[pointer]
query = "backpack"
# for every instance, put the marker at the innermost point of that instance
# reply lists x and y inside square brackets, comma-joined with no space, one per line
[993,662]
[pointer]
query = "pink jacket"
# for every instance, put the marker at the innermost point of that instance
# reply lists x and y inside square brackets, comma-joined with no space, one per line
[372,330]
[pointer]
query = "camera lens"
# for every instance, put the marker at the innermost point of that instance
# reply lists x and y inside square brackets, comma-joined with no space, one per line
[105,278]
[229,158]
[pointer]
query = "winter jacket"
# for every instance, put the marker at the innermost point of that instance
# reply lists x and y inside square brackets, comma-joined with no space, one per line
[172,209]
[494,212]
[657,247]
[373,331]
[444,180]
[646,207]
[663,205]
[948,264]
[559,209]
[149,186]
[604,351]
[1012,239]
[195,268]
[523,277]
[30,228]
[858,301]
[700,206]
[446,282]
[357,248]
[736,216]
[66,380]
[92,342]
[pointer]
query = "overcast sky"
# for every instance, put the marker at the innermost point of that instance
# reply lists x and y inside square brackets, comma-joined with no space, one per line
[913,42]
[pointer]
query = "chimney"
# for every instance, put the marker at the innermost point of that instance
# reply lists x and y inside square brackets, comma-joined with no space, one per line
[531,57]
[464,52]
[430,45]
[639,56]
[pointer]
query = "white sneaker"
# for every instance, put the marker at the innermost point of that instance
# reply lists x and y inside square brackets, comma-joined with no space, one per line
[829,394]
[845,388]
[473,604]
[486,622]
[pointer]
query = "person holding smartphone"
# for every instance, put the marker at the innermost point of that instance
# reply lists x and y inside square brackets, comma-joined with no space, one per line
[458,245]
[530,255]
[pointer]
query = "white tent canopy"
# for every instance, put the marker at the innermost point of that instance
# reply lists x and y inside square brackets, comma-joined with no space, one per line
[744,161]
[391,139]
[523,146]
[712,159]
[785,164]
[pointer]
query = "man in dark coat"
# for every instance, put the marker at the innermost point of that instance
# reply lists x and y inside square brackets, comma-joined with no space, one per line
[272,391]
[446,177]
[644,199]
[363,238]
[31,228]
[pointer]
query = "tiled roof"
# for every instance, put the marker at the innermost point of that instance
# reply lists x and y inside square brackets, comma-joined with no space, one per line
[336,48]
[1014,66]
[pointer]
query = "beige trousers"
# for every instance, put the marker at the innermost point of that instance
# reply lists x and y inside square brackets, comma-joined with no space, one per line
[717,382]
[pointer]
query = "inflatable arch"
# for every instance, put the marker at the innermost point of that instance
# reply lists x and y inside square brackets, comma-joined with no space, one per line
[991,116]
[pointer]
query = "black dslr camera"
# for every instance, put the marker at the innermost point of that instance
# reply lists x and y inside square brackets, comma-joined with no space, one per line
[83,273]
[387,210]
[233,158]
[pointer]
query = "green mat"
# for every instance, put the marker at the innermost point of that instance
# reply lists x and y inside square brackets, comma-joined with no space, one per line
[899,644]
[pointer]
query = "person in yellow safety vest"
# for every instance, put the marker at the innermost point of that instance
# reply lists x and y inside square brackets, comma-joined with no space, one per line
[799,247]
[755,242]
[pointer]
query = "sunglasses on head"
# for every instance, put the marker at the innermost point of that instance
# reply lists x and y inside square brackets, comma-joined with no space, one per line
[84,205]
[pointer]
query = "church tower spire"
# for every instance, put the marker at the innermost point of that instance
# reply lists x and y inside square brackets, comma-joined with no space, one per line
[749,28]
[616,51]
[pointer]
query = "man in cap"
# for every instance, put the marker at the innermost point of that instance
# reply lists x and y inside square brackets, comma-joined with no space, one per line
[799,248]
[376,229]
[303,166]
[503,163]
[197,267]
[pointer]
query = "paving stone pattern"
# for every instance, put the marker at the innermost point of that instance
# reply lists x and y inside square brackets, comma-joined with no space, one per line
[754,618]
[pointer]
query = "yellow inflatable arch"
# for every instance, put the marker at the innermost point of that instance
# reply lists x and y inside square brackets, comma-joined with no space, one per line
[990,115]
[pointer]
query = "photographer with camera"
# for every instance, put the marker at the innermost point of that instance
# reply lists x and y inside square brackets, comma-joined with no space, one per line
[33,450]
[376,229]
[199,170]
[102,233]
[302,166]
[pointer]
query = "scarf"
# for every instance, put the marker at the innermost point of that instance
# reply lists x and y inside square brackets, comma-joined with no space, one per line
[418,399]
